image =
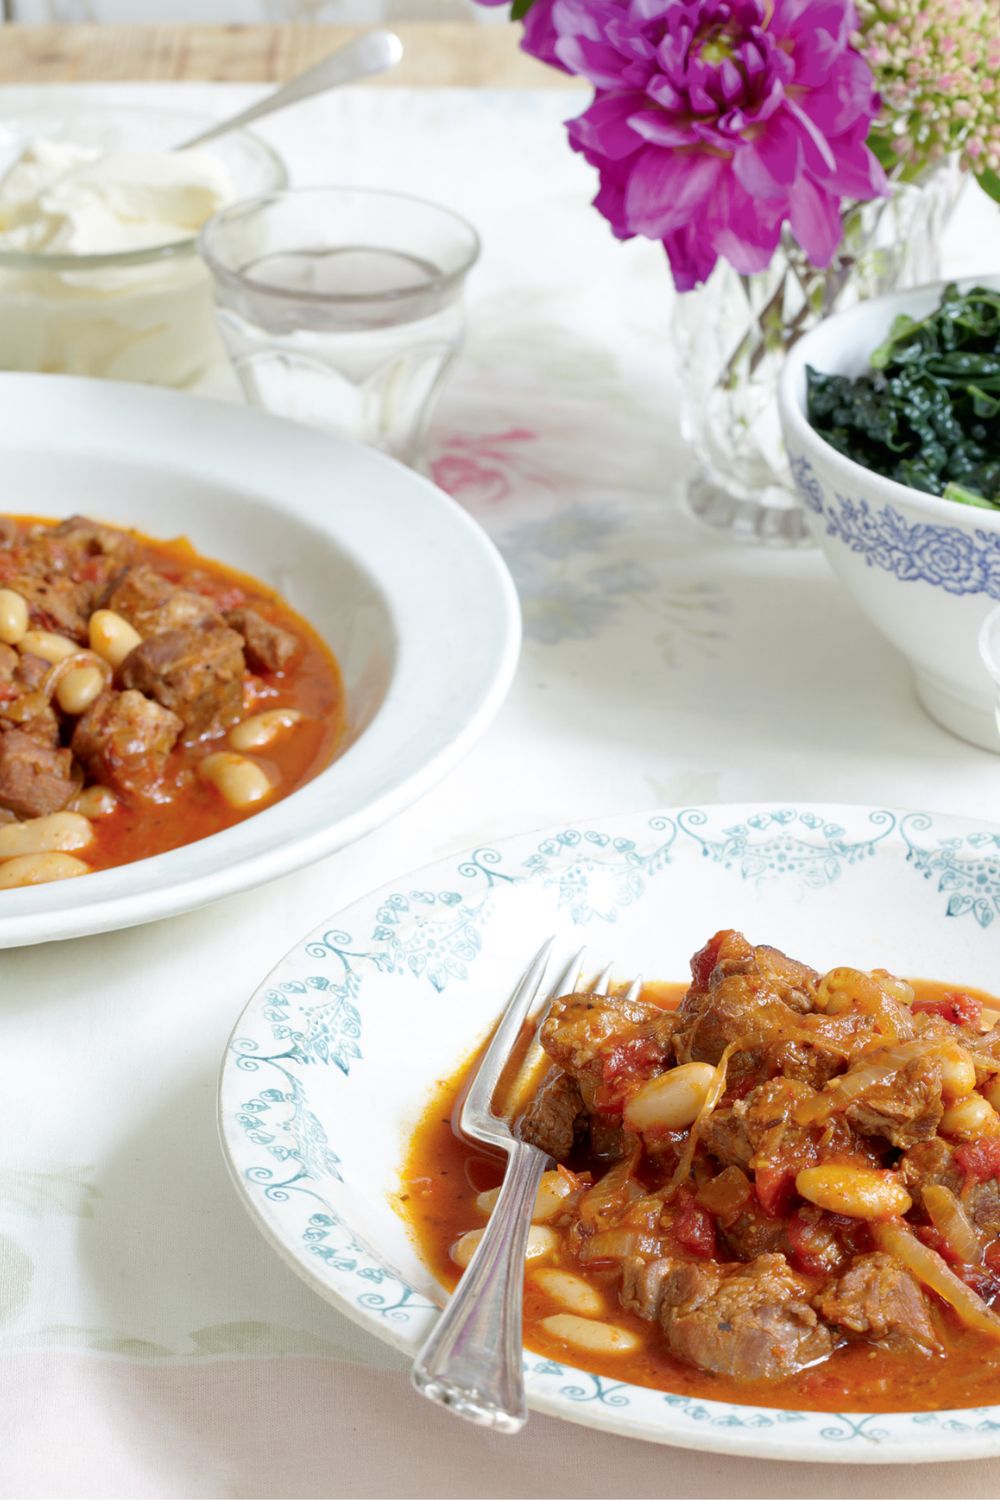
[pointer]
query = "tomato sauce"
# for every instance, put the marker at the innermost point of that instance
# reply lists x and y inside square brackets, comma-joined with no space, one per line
[442,1175]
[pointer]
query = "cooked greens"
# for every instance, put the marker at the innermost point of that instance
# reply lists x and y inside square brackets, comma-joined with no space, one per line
[929,415]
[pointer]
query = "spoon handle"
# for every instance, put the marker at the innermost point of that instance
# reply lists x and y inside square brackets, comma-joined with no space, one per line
[373,52]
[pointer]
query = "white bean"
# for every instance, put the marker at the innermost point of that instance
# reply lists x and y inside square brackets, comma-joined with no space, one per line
[968,1118]
[56,832]
[672,1100]
[255,733]
[96,802]
[80,686]
[857,1192]
[541,1242]
[39,869]
[240,781]
[111,636]
[46,644]
[595,1338]
[552,1190]
[575,1294]
[13,617]
[958,1073]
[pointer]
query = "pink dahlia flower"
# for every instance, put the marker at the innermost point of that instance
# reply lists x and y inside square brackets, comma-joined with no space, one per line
[716,122]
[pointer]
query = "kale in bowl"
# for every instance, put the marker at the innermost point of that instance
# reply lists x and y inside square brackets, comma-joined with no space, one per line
[929,414]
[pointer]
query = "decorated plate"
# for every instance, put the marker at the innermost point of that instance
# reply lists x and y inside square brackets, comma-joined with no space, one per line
[334,1058]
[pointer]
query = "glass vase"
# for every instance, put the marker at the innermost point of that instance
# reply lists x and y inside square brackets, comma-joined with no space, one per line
[732,334]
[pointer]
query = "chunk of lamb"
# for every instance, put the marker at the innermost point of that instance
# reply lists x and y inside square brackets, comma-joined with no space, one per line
[583,1027]
[35,778]
[91,539]
[267,647]
[733,1133]
[906,1107]
[55,601]
[153,604]
[555,1117]
[750,1322]
[930,1162]
[196,672]
[739,1008]
[123,741]
[878,1297]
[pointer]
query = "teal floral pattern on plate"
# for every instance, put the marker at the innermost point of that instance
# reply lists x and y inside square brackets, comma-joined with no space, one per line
[332,1060]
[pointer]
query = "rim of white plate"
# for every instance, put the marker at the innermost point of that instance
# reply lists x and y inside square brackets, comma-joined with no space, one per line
[763,1432]
[432,712]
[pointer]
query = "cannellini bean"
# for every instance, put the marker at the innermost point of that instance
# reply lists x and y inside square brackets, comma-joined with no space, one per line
[13,617]
[837,989]
[39,869]
[96,802]
[958,1073]
[991,1092]
[255,733]
[80,686]
[575,1294]
[240,781]
[47,645]
[111,636]
[672,1101]
[552,1190]
[595,1338]
[967,1118]
[56,832]
[857,1192]
[541,1242]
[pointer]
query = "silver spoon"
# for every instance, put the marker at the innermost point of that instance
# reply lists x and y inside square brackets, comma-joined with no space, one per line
[372,53]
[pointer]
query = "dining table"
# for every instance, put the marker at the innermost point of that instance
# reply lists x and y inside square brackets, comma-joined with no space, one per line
[151,1342]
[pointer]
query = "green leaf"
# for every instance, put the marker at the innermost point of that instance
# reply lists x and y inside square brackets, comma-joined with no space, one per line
[967,497]
[988,180]
[928,415]
[520,9]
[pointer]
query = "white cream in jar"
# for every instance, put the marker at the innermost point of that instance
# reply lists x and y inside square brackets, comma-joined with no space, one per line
[150,320]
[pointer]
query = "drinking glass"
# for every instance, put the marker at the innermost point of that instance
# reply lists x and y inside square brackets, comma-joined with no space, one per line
[341,307]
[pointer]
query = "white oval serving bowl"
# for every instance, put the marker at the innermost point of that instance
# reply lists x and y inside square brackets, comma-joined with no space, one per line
[409,593]
[335,1057]
[925,570]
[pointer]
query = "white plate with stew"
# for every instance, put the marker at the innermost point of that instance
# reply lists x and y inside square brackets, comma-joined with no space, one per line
[405,590]
[363,1019]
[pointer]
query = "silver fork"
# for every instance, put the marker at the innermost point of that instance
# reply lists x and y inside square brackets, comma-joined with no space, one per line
[472,1363]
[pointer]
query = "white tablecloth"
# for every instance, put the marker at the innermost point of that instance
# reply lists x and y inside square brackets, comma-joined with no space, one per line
[150,1343]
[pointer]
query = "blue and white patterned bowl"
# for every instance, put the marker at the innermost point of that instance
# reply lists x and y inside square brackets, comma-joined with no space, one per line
[333,1060]
[925,570]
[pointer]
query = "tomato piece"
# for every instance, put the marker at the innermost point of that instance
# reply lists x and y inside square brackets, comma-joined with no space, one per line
[815,1246]
[956,1006]
[692,1226]
[89,571]
[623,1067]
[979,1160]
[774,1185]
[705,961]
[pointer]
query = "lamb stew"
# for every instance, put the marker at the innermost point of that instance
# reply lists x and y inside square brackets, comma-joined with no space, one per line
[148,698]
[772,1187]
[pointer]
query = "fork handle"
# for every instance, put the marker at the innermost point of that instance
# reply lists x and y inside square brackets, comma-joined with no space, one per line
[472,1363]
